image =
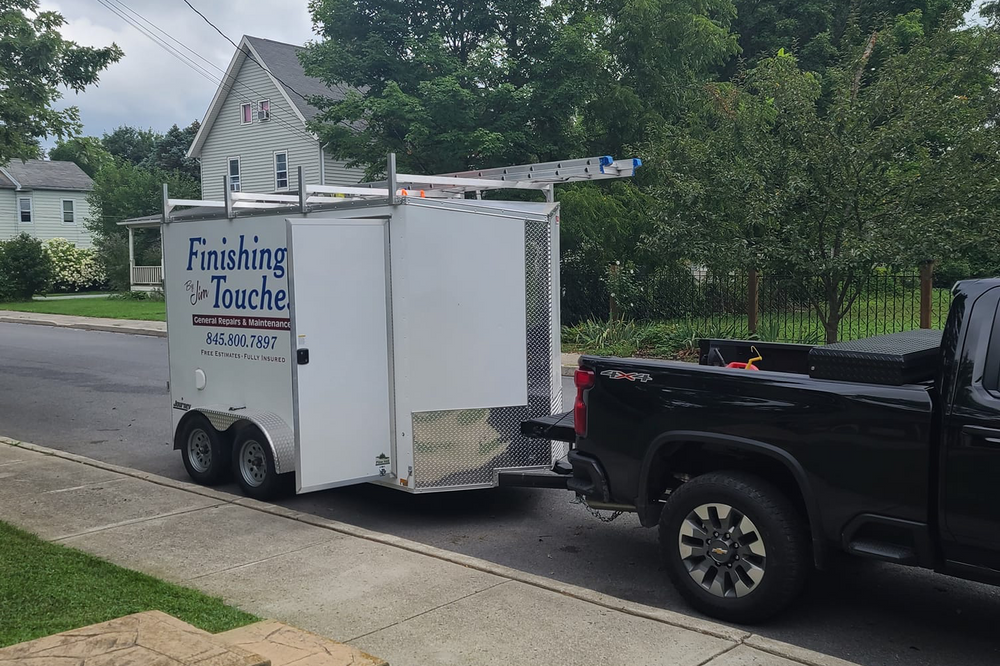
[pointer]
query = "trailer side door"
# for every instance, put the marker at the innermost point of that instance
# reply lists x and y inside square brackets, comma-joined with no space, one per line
[340,331]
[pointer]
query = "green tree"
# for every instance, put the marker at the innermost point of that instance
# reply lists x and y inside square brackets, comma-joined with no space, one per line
[818,30]
[131,144]
[37,64]
[457,85]
[86,151]
[170,151]
[122,191]
[895,166]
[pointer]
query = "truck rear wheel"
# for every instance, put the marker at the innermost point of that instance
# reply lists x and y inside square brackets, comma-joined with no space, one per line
[735,547]
[204,450]
[253,465]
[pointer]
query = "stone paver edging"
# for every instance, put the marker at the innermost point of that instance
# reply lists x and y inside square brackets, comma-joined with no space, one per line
[737,636]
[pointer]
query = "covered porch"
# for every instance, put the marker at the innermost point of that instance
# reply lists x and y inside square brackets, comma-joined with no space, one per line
[143,278]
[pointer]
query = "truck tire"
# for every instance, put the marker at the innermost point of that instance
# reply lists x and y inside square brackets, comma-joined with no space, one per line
[204,450]
[253,465]
[734,546]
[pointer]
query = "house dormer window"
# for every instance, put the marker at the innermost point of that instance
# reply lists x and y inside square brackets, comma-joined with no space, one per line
[264,110]
[246,113]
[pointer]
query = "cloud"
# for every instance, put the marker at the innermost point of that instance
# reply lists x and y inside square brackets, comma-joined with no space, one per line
[150,87]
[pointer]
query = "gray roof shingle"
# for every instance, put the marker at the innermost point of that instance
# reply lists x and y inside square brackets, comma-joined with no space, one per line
[283,61]
[47,175]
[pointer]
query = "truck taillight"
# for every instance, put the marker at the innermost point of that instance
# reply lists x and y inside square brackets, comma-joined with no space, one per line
[584,379]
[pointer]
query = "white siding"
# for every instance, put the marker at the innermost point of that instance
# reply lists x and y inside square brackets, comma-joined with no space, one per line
[8,214]
[256,143]
[337,173]
[47,216]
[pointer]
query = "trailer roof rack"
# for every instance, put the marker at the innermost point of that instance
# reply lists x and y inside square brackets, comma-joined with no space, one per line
[541,176]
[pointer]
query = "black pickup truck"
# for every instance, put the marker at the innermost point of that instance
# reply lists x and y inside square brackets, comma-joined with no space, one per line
[886,448]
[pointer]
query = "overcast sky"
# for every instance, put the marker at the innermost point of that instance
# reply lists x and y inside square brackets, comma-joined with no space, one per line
[151,88]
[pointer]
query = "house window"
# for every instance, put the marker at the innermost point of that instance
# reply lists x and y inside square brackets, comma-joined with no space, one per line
[234,174]
[246,114]
[69,211]
[24,208]
[264,110]
[281,170]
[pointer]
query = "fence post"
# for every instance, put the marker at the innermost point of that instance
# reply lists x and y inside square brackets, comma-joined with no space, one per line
[926,290]
[613,301]
[753,300]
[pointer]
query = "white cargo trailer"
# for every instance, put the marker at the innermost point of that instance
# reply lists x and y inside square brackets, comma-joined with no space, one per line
[343,335]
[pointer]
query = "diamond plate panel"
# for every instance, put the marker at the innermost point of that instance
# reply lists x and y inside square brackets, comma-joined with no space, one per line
[279,435]
[464,447]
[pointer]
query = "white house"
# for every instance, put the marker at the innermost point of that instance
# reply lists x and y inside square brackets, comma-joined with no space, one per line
[47,199]
[255,132]
[255,128]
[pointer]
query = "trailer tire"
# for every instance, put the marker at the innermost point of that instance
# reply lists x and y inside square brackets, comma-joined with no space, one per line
[734,546]
[253,465]
[204,450]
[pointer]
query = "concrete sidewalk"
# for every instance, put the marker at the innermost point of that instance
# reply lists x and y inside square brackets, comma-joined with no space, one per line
[407,602]
[135,327]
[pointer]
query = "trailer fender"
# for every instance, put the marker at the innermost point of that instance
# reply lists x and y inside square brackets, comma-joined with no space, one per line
[279,435]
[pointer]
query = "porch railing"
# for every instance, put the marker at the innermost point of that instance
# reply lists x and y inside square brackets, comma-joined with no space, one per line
[147,275]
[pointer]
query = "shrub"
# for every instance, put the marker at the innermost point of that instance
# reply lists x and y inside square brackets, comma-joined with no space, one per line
[74,269]
[112,254]
[25,268]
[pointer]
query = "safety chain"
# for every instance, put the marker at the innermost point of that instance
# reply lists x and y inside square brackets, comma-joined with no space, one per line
[595,513]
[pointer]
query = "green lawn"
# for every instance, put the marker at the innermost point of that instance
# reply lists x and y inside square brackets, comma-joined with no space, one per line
[108,308]
[47,588]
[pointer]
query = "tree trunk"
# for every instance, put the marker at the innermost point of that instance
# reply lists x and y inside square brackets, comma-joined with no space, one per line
[832,323]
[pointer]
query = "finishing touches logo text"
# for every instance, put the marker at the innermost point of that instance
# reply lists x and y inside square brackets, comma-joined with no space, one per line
[240,256]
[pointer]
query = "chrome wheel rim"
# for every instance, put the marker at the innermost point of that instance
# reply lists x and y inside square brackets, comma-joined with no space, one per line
[722,550]
[199,450]
[253,464]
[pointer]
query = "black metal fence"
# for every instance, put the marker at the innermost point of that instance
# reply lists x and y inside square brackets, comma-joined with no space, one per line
[768,306]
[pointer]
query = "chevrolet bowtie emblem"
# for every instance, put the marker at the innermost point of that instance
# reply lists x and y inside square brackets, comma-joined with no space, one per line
[719,551]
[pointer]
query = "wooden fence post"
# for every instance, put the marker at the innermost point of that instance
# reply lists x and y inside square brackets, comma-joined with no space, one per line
[926,291]
[753,300]
[613,301]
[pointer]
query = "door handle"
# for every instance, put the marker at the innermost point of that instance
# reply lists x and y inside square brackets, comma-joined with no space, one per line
[302,356]
[973,434]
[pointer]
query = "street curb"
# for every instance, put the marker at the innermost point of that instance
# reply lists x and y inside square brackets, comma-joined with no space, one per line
[568,370]
[671,618]
[85,327]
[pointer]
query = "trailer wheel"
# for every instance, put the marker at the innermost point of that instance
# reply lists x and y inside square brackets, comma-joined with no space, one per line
[204,450]
[253,465]
[735,547]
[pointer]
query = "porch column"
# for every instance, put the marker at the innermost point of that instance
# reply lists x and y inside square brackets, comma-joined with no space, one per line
[131,256]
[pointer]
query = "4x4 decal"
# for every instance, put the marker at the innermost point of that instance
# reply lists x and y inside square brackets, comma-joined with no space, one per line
[631,376]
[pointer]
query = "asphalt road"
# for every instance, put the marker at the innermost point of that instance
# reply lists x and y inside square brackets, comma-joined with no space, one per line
[103,395]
